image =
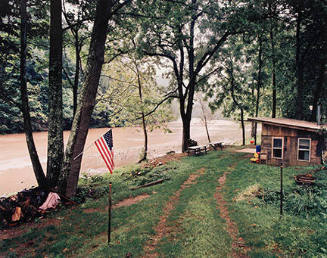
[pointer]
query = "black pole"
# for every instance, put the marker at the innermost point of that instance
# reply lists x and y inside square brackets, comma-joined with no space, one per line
[281,190]
[109,213]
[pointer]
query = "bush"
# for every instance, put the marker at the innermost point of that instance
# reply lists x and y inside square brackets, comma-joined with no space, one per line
[302,200]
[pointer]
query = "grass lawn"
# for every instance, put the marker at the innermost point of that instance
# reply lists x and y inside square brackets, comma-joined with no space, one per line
[193,226]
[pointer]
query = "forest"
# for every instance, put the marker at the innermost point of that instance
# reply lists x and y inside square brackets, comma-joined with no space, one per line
[76,64]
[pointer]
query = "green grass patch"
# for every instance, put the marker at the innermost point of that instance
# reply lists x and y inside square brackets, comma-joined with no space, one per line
[300,232]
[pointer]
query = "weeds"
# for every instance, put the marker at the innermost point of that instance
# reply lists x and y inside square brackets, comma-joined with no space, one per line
[300,232]
[301,200]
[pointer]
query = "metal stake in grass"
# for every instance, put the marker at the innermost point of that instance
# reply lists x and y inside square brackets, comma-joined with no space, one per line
[281,190]
[109,213]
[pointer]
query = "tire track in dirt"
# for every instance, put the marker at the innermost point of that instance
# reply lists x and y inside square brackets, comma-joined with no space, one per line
[239,249]
[123,203]
[161,228]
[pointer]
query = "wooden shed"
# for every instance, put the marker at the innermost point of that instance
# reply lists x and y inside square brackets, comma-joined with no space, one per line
[295,142]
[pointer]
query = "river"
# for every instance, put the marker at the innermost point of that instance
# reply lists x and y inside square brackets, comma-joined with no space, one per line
[16,171]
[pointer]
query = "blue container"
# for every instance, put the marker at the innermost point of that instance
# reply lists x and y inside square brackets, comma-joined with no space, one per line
[258,148]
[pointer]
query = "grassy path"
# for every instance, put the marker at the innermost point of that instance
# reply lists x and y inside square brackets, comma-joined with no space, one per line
[196,229]
[239,248]
[161,229]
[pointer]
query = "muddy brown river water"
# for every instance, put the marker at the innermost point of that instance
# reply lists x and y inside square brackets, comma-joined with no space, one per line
[16,171]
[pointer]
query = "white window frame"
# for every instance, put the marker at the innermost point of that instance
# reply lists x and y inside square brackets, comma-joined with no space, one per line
[298,149]
[282,148]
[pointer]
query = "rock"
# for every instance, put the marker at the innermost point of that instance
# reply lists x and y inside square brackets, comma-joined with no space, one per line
[17,214]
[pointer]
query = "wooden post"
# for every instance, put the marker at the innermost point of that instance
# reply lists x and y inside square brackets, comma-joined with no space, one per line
[281,190]
[109,213]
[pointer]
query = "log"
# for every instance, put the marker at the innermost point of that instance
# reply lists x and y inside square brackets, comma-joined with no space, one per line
[149,184]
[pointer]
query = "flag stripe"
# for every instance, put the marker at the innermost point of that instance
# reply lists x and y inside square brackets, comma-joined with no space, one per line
[111,154]
[107,151]
[105,154]
[105,146]
[96,144]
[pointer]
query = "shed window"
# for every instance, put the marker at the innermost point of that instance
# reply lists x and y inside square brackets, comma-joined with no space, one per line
[277,148]
[304,147]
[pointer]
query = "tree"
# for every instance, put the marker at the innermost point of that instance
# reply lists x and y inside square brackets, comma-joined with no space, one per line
[259,82]
[308,20]
[317,32]
[272,9]
[10,21]
[55,117]
[130,95]
[172,29]
[76,19]
[38,171]
[231,88]
[206,113]
[71,166]
[140,91]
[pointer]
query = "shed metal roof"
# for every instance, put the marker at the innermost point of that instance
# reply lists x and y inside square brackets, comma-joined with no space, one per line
[290,123]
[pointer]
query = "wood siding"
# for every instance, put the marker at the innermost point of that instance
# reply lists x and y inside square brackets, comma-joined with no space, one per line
[290,148]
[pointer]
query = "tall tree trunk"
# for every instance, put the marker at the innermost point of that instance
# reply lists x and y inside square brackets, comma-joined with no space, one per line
[37,168]
[299,68]
[205,120]
[206,126]
[319,89]
[186,133]
[145,153]
[185,124]
[71,167]
[77,71]
[231,73]
[55,132]
[187,117]
[273,72]
[243,126]
[259,83]
[145,132]
[74,28]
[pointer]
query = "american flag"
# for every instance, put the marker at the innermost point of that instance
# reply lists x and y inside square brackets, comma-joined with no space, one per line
[105,147]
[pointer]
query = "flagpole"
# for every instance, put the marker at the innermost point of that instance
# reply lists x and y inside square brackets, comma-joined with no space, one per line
[86,148]
[83,151]
[104,145]
[109,214]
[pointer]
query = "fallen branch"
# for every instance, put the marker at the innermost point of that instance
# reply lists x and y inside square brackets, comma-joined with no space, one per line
[149,184]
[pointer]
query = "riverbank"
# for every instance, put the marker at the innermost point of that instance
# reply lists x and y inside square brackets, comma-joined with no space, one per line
[16,170]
